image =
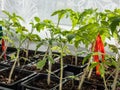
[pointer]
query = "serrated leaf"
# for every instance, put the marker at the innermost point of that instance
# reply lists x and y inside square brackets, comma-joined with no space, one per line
[70,37]
[93,65]
[113,48]
[40,26]
[7,13]
[39,45]
[37,19]
[102,70]
[114,24]
[20,18]
[51,59]
[114,63]
[86,58]
[34,37]
[12,56]
[41,64]
[56,48]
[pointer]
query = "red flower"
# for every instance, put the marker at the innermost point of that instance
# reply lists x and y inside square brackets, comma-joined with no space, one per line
[99,47]
[4,48]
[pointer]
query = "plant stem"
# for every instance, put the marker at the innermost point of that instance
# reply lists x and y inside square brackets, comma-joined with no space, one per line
[16,60]
[90,72]
[76,59]
[105,83]
[116,74]
[83,76]
[49,65]
[27,49]
[61,68]
[28,44]
[12,69]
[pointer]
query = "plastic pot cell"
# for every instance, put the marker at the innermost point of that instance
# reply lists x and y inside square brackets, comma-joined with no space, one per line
[39,82]
[10,50]
[73,85]
[70,60]
[18,76]
[70,70]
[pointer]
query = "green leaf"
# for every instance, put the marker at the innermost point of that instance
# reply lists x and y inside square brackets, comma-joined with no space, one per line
[102,70]
[114,63]
[40,26]
[56,48]
[12,56]
[7,13]
[93,65]
[37,19]
[39,45]
[19,17]
[41,64]
[87,57]
[1,22]
[114,24]
[113,48]
[34,37]
[70,37]
[51,59]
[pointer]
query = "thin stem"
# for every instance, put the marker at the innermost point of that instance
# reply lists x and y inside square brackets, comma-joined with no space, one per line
[16,60]
[90,72]
[12,69]
[61,69]
[28,44]
[49,73]
[76,59]
[27,49]
[83,76]
[105,83]
[49,65]
[58,22]
[116,75]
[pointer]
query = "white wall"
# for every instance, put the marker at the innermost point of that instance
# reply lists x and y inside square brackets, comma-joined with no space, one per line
[44,8]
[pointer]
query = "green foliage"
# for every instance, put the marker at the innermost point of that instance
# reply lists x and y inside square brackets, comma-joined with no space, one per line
[37,19]
[93,65]
[34,37]
[70,37]
[102,70]
[87,58]
[58,49]
[90,23]
[115,22]
[41,64]
[51,59]
[113,48]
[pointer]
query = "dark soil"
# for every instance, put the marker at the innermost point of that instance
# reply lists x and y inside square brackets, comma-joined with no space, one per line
[17,75]
[95,79]
[69,59]
[40,81]
[43,84]
[73,85]
[98,80]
